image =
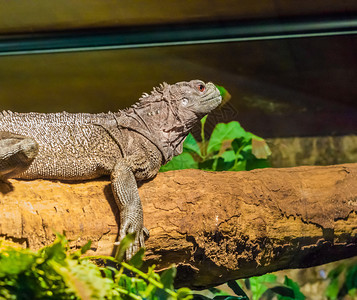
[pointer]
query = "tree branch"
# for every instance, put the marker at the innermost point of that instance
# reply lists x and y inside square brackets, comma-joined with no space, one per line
[215,226]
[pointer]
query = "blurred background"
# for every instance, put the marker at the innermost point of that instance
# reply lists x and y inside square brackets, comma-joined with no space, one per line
[280,86]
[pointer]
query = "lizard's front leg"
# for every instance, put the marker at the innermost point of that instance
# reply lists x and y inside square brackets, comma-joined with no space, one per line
[126,194]
[16,154]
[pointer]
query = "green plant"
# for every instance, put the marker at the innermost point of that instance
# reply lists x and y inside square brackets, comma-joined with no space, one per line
[230,148]
[343,282]
[261,287]
[54,272]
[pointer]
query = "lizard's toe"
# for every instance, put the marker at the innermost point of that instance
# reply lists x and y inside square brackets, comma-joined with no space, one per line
[131,251]
[146,233]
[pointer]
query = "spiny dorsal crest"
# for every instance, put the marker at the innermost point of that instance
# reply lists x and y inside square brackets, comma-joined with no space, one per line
[156,95]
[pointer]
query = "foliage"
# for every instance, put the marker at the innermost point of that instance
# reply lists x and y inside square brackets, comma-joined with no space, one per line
[261,287]
[342,285]
[230,148]
[343,282]
[54,272]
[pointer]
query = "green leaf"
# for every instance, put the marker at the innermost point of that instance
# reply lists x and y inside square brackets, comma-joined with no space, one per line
[84,279]
[334,273]
[86,247]
[257,284]
[151,290]
[137,259]
[229,156]
[238,144]
[140,284]
[107,273]
[257,164]
[180,162]
[226,162]
[241,165]
[237,289]
[295,287]
[124,244]
[190,144]
[56,251]
[335,284]
[247,151]
[351,277]
[206,164]
[15,262]
[221,297]
[224,132]
[283,292]
[222,90]
[167,278]
[184,294]
[353,293]
[333,289]
[224,93]
[201,297]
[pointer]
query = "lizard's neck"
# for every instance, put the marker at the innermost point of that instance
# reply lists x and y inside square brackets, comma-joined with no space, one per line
[159,125]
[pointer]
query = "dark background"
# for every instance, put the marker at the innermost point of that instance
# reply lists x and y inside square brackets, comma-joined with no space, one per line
[286,87]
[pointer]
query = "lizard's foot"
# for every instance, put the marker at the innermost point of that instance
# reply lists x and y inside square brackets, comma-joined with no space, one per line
[146,236]
[138,242]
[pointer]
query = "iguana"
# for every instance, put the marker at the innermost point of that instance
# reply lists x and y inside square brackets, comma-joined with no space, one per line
[129,145]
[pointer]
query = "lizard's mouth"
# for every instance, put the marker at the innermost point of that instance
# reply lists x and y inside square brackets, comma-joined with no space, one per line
[211,100]
[210,103]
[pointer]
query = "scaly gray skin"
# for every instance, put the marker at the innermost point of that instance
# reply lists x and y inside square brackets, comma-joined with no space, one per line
[128,145]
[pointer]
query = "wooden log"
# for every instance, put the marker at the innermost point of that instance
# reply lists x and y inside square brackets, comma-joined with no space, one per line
[215,226]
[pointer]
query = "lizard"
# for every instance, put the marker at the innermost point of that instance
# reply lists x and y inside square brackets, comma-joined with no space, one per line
[129,145]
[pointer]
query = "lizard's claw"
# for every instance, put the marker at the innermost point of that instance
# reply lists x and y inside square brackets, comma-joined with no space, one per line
[136,245]
[146,232]
[138,242]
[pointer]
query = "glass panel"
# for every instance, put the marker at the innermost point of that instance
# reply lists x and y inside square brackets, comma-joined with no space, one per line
[279,87]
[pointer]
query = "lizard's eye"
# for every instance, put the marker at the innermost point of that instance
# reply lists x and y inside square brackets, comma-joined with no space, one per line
[184,102]
[201,87]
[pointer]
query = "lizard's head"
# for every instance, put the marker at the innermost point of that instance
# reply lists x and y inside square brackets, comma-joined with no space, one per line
[195,96]
[181,103]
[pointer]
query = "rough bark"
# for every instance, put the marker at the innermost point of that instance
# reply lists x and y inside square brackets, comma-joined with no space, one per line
[214,226]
